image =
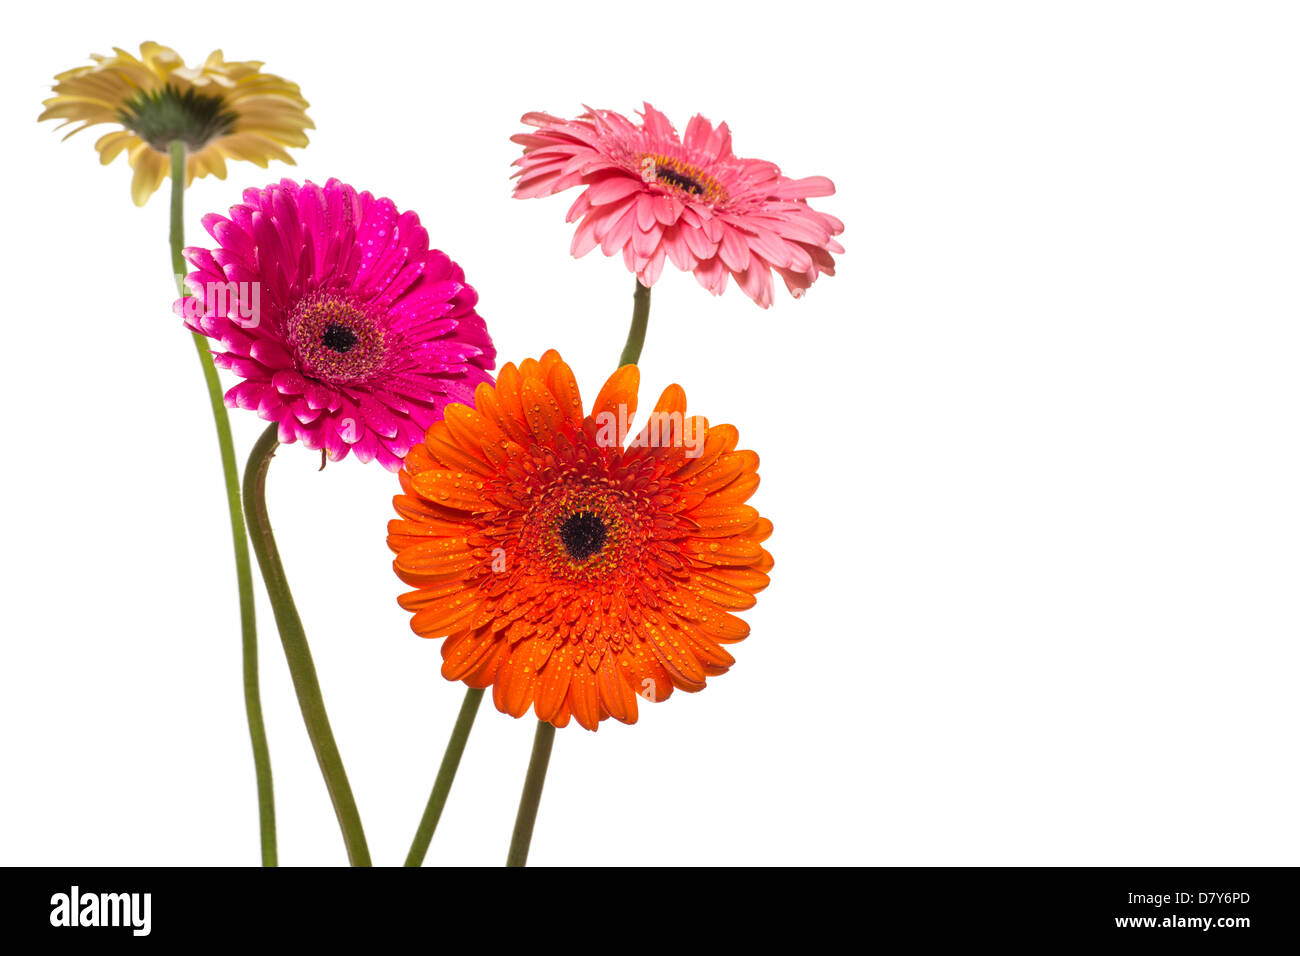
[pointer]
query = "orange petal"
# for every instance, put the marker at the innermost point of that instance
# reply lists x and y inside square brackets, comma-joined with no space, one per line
[531,368]
[437,556]
[550,358]
[584,698]
[424,528]
[554,686]
[451,489]
[619,391]
[722,627]
[713,658]
[737,552]
[517,678]
[719,440]
[672,400]
[665,428]
[645,675]
[760,532]
[467,427]
[725,469]
[725,595]
[441,616]
[541,410]
[565,389]
[510,405]
[723,520]
[415,508]
[615,695]
[414,600]
[488,664]
[466,652]
[737,492]
[747,579]
[671,652]
[418,458]
[422,579]
[449,453]
[489,406]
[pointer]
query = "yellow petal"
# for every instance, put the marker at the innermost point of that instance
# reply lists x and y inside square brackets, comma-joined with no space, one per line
[150,171]
[110,144]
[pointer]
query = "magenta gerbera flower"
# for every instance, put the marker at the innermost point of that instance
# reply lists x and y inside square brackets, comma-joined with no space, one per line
[346,328]
[652,195]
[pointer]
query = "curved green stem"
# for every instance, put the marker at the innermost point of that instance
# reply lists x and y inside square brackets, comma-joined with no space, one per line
[296,651]
[243,564]
[531,798]
[636,333]
[446,774]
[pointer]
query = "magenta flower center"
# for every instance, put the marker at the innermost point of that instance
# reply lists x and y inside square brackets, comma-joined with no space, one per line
[336,340]
[340,338]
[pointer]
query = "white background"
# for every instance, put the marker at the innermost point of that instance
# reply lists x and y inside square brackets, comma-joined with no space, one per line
[1031,456]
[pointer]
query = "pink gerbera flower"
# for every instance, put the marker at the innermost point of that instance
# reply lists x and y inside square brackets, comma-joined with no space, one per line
[653,196]
[346,327]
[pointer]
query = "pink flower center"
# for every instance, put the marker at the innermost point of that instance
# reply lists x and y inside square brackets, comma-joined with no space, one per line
[336,340]
[681,178]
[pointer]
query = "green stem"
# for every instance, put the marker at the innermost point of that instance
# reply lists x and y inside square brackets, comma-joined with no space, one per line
[532,795]
[545,737]
[177,234]
[446,774]
[636,333]
[243,564]
[296,651]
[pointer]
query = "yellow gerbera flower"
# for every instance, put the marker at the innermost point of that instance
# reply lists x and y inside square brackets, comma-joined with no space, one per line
[218,109]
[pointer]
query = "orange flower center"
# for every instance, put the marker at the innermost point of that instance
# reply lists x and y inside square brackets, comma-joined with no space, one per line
[579,531]
[681,178]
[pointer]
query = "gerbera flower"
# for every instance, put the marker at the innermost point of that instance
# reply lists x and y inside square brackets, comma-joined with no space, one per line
[651,196]
[568,568]
[220,110]
[346,327]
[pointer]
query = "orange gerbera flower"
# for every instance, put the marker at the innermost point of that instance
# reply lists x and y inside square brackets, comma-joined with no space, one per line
[570,569]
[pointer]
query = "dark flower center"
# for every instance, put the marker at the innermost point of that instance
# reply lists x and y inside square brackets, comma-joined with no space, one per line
[340,338]
[583,535]
[336,339]
[160,116]
[685,183]
[680,178]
